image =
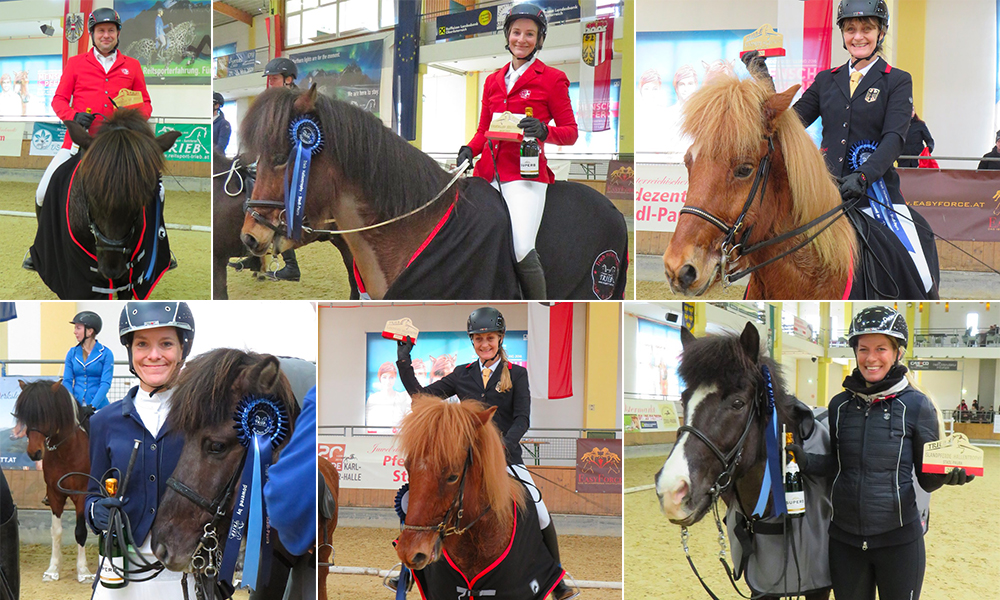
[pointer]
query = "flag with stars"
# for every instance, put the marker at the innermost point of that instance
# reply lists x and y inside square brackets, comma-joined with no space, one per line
[404,86]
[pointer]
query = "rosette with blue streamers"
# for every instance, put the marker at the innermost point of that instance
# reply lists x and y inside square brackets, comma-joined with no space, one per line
[261,425]
[772,473]
[878,193]
[307,141]
[404,573]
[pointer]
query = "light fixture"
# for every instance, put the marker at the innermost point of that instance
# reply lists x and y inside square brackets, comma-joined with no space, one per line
[47,29]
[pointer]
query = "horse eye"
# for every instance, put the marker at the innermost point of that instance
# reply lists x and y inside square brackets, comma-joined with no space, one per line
[453,479]
[279,160]
[215,447]
[739,404]
[743,171]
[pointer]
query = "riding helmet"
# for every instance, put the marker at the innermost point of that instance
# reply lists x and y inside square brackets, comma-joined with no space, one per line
[851,9]
[878,319]
[89,320]
[527,11]
[218,99]
[281,66]
[103,15]
[137,316]
[486,319]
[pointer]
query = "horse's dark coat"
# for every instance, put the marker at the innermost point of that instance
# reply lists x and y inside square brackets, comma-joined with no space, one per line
[67,270]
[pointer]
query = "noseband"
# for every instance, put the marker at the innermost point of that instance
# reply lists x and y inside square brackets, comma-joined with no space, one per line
[49,446]
[455,510]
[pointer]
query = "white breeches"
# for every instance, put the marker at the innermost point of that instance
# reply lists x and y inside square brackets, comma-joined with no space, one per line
[521,472]
[62,155]
[525,203]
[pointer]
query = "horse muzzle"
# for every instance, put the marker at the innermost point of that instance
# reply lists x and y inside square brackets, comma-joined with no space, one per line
[689,273]
[417,550]
[36,456]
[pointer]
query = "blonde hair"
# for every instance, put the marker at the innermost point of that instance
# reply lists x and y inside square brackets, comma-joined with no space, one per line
[505,382]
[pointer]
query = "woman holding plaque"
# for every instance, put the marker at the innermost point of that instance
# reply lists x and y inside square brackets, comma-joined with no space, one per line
[535,94]
[158,336]
[866,105]
[878,427]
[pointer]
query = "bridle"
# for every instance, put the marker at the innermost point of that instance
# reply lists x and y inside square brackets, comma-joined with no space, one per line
[454,513]
[49,446]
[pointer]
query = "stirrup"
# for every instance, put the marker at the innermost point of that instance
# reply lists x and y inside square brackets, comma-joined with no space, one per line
[571,584]
[27,263]
[391,582]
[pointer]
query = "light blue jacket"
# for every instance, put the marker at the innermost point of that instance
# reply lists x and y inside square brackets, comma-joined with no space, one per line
[290,491]
[90,380]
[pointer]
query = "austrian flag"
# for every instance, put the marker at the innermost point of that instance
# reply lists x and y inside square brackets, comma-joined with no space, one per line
[594,112]
[550,350]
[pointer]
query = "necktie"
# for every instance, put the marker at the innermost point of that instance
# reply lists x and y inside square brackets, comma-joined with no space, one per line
[855,80]
[486,376]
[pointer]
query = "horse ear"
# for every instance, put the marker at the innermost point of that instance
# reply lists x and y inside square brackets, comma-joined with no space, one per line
[78,134]
[22,383]
[485,416]
[750,341]
[777,104]
[686,336]
[166,140]
[306,103]
[56,385]
[266,373]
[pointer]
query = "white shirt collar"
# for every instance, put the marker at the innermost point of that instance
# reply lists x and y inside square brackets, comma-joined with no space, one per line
[106,61]
[492,367]
[153,409]
[863,71]
[514,74]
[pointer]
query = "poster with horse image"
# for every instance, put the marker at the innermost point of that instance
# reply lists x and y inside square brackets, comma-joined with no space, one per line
[27,84]
[435,355]
[13,452]
[352,73]
[171,39]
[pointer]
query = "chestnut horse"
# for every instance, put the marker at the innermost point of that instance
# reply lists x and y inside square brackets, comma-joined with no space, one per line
[55,436]
[748,144]
[328,506]
[720,452]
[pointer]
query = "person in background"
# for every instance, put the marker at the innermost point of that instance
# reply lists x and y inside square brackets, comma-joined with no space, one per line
[917,138]
[89,365]
[991,165]
[221,130]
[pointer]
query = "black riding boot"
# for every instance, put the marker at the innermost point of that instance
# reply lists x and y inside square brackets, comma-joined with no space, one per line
[561,591]
[290,272]
[531,277]
[10,586]
[250,263]
[28,264]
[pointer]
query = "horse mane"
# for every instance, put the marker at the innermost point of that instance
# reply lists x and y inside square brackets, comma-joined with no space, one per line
[393,175]
[441,432]
[38,405]
[120,169]
[211,377]
[725,117]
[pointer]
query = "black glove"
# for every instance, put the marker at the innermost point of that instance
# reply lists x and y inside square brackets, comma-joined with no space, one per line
[101,511]
[800,455]
[853,186]
[84,120]
[403,348]
[465,153]
[754,62]
[534,128]
[958,477]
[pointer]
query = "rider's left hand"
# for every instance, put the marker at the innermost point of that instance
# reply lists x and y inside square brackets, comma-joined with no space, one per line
[534,128]
[958,477]
[853,186]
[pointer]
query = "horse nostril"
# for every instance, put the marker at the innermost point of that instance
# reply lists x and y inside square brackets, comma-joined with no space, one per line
[419,558]
[249,240]
[678,495]
[687,275]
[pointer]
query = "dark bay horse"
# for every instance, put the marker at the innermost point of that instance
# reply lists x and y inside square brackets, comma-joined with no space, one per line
[100,230]
[747,144]
[720,452]
[328,506]
[432,238]
[55,436]
[230,191]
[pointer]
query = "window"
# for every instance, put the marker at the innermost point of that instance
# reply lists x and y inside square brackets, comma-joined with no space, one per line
[972,323]
[306,20]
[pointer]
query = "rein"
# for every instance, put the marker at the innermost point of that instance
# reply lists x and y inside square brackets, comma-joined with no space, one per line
[454,513]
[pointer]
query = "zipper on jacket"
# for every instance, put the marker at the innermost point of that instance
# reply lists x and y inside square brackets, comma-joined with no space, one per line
[861,477]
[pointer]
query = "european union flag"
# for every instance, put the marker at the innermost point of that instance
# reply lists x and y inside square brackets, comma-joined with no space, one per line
[404,87]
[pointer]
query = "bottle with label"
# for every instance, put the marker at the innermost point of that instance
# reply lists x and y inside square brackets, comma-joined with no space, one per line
[795,496]
[530,153]
[114,559]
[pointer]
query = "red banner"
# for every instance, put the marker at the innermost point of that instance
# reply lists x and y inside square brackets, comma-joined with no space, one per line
[960,205]
[599,466]
[817,32]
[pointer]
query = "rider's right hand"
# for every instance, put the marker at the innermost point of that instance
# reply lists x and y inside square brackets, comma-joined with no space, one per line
[101,512]
[754,62]
[84,120]
[403,348]
[465,153]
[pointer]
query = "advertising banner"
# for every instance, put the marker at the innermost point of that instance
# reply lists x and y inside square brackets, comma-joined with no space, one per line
[435,355]
[13,453]
[171,40]
[658,347]
[238,63]
[592,142]
[594,113]
[932,365]
[370,462]
[650,415]
[660,192]
[959,205]
[620,182]
[46,139]
[11,135]
[599,466]
[489,19]
[351,73]
[27,84]
[194,145]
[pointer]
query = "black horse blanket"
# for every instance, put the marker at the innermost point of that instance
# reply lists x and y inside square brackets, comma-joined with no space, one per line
[68,264]
[582,243]
[524,571]
[886,270]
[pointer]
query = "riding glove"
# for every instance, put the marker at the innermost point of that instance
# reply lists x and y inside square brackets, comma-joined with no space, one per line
[958,477]
[100,512]
[403,348]
[534,128]
[465,153]
[84,120]
[754,62]
[853,186]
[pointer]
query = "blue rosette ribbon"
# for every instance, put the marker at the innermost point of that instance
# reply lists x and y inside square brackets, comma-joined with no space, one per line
[404,573]
[878,193]
[306,137]
[772,474]
[262,424]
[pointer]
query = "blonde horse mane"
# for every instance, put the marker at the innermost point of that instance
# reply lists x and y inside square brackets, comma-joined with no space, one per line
[440,433]
[726,119]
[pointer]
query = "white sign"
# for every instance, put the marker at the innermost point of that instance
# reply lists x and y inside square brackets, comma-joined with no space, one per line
[651,415]
[660,193]
[369,462]
[46,139]
[11,135]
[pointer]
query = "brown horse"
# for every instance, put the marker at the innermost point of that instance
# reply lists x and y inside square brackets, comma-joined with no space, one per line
[328,510]
[55,436]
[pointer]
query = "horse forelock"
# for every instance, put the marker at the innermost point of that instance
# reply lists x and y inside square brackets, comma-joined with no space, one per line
[724,117]
[368,153]
[38,407]
[440,434]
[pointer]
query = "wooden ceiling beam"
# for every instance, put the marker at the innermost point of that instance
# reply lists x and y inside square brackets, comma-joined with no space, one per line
[232,12]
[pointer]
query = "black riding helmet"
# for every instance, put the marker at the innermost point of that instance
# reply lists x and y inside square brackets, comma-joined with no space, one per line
[485,320]
[852,9]
[281,66]
[218,99]
[103,15]
[878,319]
[526,11]
[137,316]
[90,320]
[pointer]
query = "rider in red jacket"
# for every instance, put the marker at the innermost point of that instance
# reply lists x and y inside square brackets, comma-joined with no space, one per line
[524,83]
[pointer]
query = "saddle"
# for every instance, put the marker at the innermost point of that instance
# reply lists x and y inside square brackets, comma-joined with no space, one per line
[325,500]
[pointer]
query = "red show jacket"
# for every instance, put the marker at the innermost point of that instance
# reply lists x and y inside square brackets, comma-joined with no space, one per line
[543,88]
[84,84]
